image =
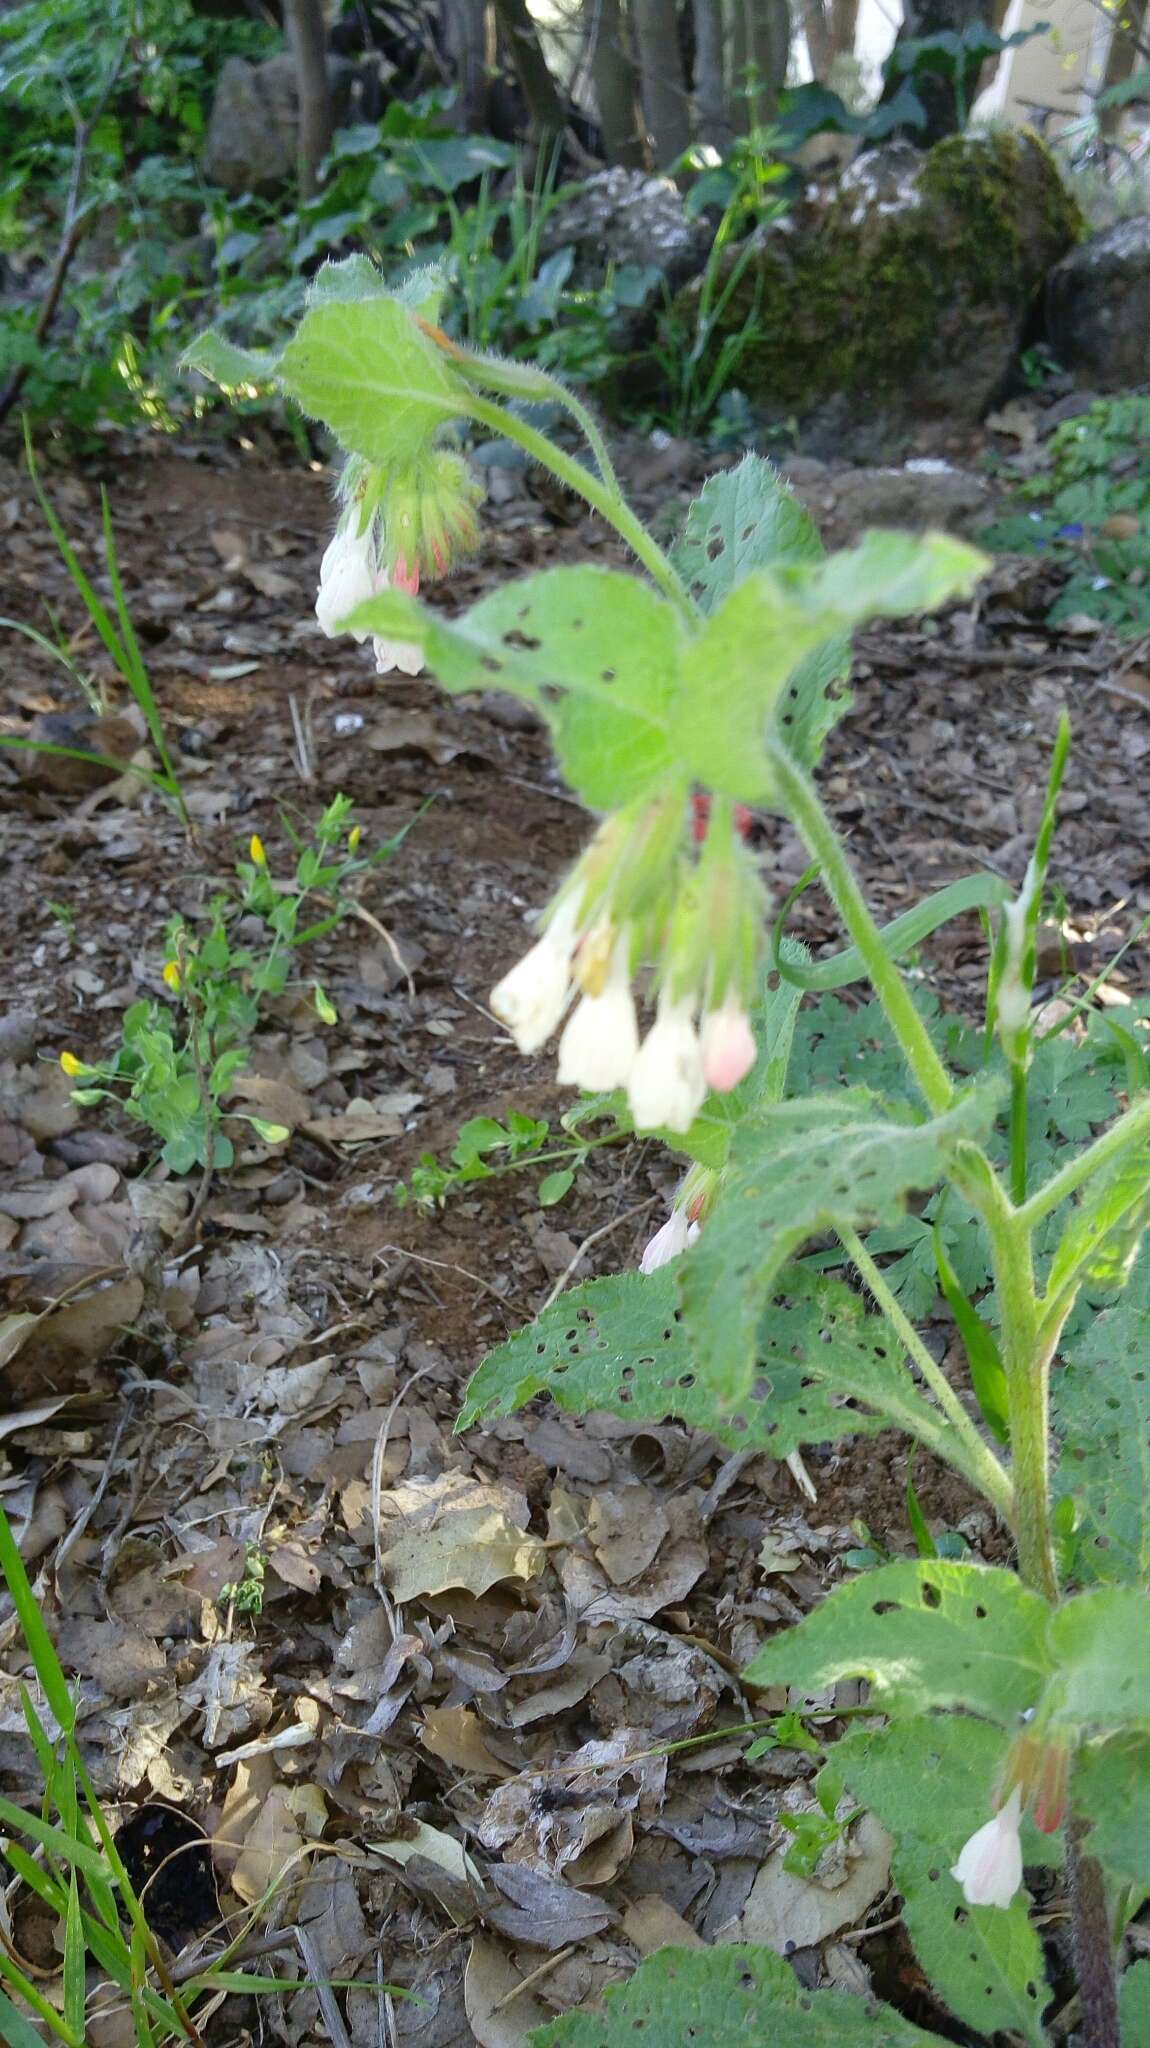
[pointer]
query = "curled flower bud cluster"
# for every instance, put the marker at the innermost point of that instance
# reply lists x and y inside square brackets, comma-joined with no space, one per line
[640,894]
[397,529]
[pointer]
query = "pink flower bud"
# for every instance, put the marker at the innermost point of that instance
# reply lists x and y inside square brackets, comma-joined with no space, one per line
[729,1049]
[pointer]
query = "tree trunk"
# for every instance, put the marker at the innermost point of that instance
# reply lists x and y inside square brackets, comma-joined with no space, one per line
[666,110]
[947,101]
[466,33]
[548,114]
[613,77]
[738,101]
[844,26]
[768,47]
[820,38]
[1127,47]
[307,38]
[710,80]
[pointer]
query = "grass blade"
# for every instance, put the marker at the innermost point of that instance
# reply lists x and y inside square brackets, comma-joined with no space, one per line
[34,1997]
[136,674]
[75,1963]
[35,1632]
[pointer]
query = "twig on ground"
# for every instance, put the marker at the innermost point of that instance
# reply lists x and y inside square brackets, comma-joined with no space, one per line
[604,1230]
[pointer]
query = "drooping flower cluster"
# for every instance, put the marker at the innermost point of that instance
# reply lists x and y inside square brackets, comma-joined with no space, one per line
[395,531]
[639,895]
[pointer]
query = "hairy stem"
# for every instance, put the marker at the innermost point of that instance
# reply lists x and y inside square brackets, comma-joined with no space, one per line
[979,1463]
[805,809]
[609,504]
[1018,1133]
[1093,1946]
[1026,1356]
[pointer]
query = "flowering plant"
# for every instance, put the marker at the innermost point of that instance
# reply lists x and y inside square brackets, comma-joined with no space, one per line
[1016,1698]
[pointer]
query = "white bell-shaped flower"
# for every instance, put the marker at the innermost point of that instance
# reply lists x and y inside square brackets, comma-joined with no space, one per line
[676,1235]
[401,654]
[601,1039]
[348,575]
[667,1085]
[532,998]
[989,1866]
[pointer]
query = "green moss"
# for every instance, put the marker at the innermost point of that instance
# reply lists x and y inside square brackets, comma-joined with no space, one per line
[913,304]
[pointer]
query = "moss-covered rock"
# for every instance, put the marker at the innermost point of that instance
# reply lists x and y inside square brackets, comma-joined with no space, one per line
[903,295]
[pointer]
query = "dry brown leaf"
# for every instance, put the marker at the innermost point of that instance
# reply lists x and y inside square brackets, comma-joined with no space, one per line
[502,2015]
[452,1531]
[455,1734]
[785,1910]
[626,1527]
[652,1923]
[286,1818]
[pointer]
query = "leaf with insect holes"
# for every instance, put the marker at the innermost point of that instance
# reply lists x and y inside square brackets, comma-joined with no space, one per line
[596,651]
[827,1368]
[743,519]
[800,1168]
[931,1781]
[364,368]
[1101,1401]
[735,1994]
[632,697]
[925,1634]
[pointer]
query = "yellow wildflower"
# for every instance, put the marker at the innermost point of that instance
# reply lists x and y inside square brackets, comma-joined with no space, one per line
[73,1067]
[354,837]
[172,976]
[256,850]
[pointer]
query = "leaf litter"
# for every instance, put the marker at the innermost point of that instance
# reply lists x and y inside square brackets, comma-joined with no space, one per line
[423,1687]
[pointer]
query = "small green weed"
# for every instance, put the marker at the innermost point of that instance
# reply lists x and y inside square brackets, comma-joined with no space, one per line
[485,1149]
[1090,511]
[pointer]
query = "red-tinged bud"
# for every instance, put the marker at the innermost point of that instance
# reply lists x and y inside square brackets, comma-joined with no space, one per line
[1052,1788]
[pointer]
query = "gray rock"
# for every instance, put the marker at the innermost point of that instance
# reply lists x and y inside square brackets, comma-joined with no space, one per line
[897,298]
[1098,307]
[253,131]
[622,216]
[918,495]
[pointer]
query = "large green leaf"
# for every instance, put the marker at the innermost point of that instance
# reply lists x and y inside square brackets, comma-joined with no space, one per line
[931,1782]
[1101,1401]
[925,1634]
[827,1368]
[1100,1647]
[802,1167]
[1134,2006]
[1111,1789]
[1101,1239]
[363,367]
[596,651]
[739,1996]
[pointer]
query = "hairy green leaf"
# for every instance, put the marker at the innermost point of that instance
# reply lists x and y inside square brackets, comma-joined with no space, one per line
[931,1782]
[741,1996]
[596,651]
[826,1368]
[802,1167]
[364,368]
[925,1634]
[1134,2006]
[228,366]
[1111,1789]
[1100,1646]
[743,519]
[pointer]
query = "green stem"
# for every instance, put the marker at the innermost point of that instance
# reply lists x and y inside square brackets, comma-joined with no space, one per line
[805,809]
[1026,1356]
[1128,1130]
[1018,1133]
[979,1462]
[527,381]
[609,504]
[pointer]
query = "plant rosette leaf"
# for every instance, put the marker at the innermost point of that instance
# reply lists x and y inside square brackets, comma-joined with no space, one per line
[802,1167]
[619,1346]
[632,694]
[930,1781]
[748,1996]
